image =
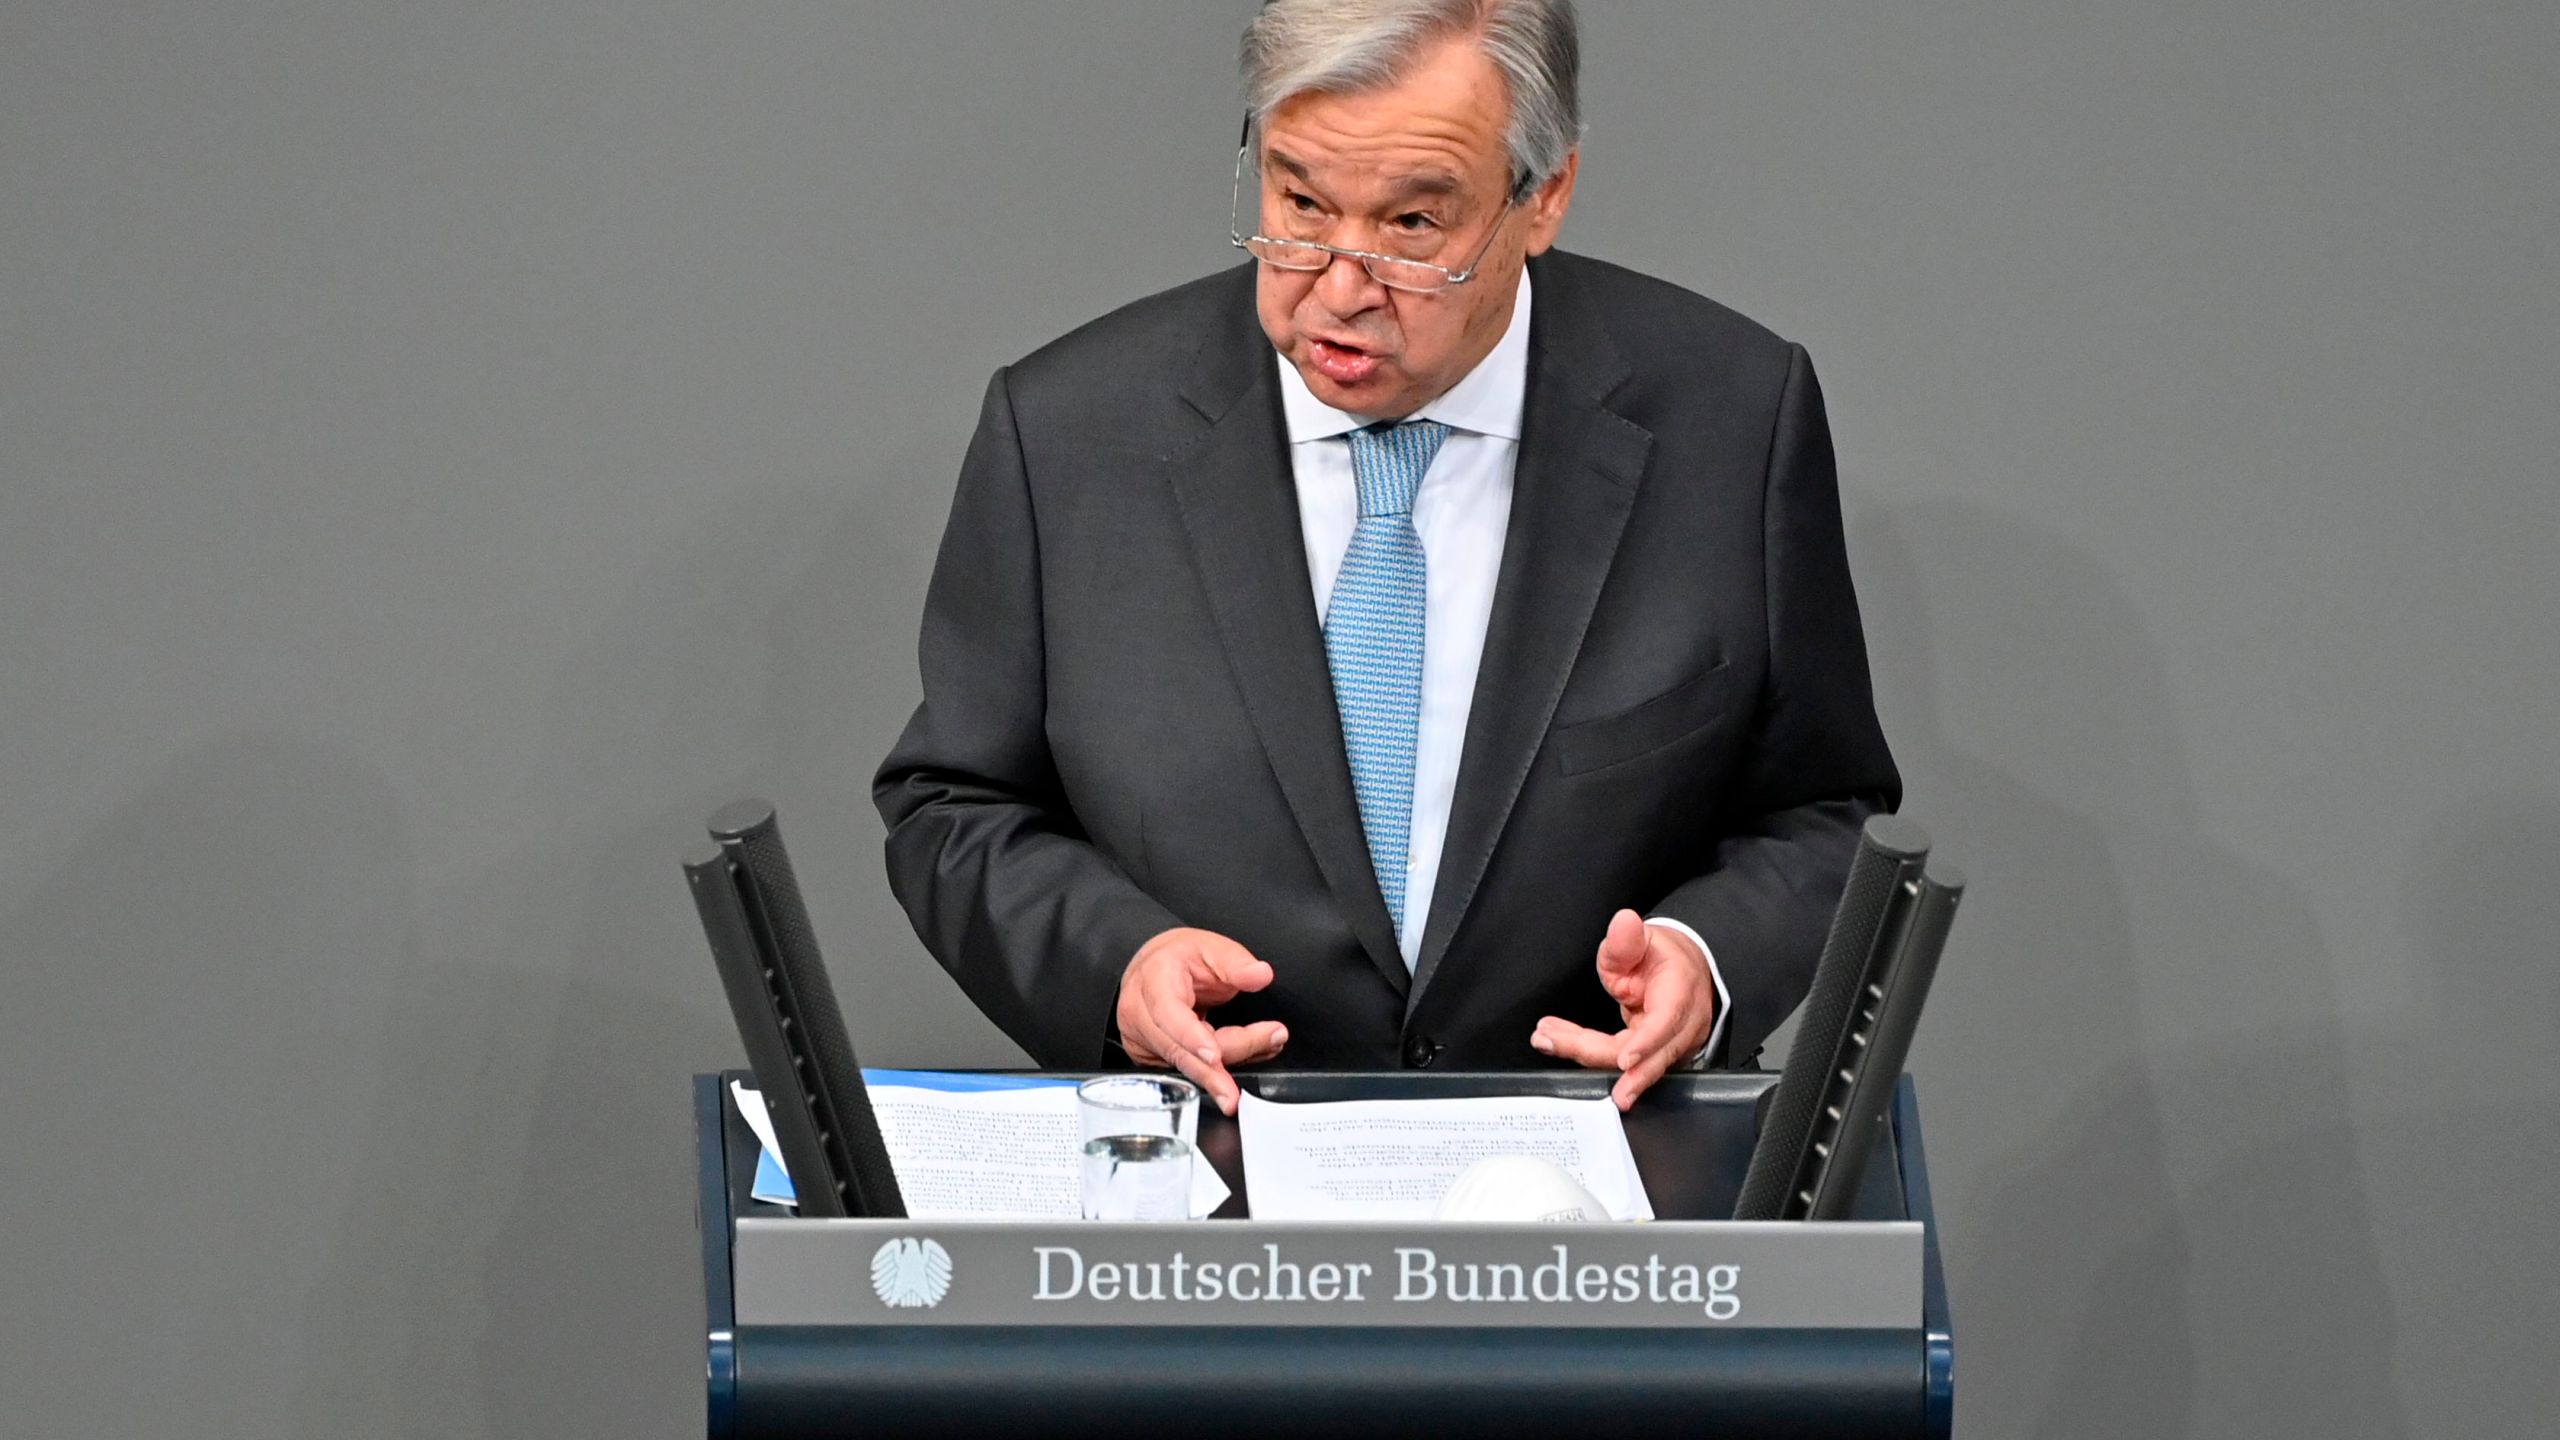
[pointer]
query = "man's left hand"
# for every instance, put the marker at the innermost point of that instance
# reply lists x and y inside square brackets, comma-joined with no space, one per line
[1666,996]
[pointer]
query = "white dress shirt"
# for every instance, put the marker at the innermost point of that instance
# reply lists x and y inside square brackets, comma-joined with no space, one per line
[1462,512]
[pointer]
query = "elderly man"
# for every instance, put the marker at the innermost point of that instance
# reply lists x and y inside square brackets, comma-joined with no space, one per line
[1413,646]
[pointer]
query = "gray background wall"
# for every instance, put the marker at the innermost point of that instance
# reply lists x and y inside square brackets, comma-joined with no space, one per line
[445,450]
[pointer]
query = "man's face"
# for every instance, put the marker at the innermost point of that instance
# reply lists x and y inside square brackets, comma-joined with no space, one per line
[1417,170]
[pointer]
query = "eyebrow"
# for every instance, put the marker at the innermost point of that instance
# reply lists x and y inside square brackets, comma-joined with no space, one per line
[1428,182]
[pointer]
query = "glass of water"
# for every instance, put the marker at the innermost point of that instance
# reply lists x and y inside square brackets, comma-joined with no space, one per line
[1138,1131]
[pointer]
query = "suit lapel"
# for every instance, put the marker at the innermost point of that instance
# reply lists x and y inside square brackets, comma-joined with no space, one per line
[1572,490]
[1239,507]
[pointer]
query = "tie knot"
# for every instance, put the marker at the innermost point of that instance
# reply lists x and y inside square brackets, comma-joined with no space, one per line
[1389,461]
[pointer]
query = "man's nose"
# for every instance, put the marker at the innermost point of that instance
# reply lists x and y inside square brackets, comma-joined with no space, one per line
[1347,288]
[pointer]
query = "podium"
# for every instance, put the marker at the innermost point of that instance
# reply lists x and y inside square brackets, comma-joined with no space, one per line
[842,1328]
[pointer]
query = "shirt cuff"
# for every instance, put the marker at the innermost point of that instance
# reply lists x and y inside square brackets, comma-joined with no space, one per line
[1724,997]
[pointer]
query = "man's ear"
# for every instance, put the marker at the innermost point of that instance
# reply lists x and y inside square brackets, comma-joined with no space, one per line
[1549,202]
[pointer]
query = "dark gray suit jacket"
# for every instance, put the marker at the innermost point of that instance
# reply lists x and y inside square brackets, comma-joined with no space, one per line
[1128,724]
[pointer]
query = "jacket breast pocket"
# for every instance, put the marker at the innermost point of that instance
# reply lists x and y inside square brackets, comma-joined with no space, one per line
[1675,714]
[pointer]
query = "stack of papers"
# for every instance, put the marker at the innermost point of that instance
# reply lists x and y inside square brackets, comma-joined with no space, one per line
[1009,1147]
[971,1147]
[1394,1159]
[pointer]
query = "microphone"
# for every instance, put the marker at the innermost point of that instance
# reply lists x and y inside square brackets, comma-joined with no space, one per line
[767,954]
[1866,931]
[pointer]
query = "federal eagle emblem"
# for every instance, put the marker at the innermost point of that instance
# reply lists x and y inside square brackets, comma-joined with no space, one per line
[911,1274]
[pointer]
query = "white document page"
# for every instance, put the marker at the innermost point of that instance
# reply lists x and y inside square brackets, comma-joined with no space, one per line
[989,1154]
[1394,1159]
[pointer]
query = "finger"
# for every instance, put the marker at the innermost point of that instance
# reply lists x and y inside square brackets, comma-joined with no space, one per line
[1251,1044]
[1641,1078]
[1622,949]
[1627,988]
[1211,1076]
[1140,1037]
[1181,1036]
[1169,1024]
[1183,1031]
[1178,1034]
[1648,1053]
[1225,974]
[1578,1043]
[1660,1020]
[1169,1019]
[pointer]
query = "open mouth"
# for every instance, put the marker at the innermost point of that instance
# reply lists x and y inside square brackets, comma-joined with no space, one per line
[1342,364]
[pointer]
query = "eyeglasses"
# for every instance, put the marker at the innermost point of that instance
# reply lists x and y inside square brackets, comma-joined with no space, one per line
[1396,272]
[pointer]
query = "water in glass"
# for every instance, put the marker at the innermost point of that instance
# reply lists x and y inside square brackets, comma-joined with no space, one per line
[1136,1177]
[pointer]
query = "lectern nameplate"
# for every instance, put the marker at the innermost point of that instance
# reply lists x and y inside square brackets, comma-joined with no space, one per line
[1662,1275]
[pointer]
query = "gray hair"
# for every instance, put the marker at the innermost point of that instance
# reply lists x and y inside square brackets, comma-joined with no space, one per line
[1297,47]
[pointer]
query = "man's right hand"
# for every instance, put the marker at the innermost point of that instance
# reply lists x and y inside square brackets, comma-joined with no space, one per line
[1164,996]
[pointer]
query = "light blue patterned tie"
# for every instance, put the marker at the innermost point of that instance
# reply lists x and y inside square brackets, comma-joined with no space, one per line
[1373,641]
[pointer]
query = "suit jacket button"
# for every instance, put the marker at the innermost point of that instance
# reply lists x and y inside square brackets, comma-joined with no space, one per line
[1420,1051]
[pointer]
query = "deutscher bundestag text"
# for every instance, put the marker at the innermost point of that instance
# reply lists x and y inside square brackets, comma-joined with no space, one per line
[1419,1274]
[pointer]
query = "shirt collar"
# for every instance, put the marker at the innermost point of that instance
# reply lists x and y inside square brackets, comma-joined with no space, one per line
[1488,401]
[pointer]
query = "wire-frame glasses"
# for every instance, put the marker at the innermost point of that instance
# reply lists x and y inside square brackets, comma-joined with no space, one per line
[1396,272]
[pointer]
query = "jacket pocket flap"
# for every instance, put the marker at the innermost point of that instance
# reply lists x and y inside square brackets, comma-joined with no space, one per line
[1682,710]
